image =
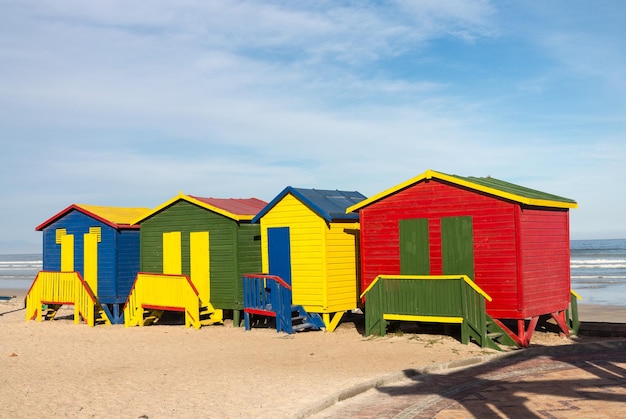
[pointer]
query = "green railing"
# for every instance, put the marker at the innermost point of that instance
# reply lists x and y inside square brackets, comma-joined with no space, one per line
[572,312]
[442,299]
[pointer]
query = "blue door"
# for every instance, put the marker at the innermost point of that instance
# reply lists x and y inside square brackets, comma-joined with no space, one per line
[279,253]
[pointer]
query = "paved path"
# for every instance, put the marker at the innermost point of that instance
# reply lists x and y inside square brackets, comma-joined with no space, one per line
[558,382]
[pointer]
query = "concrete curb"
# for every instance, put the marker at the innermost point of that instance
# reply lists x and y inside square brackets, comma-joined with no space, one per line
[459,363]
[603,329]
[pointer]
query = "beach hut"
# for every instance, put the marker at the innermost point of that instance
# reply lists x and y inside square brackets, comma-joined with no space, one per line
[211,241]
[512,241]
[101,245]
[311,243]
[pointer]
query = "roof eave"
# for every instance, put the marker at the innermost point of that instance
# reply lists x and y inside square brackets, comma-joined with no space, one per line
[192,200]
[76,207]
[430,174]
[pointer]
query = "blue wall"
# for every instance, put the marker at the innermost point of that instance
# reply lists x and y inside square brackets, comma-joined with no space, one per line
[118,254]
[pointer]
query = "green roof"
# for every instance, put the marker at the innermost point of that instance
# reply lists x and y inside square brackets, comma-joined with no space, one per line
[486,185]
[514,189]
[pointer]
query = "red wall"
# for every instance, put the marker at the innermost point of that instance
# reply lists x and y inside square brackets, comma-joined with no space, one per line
[507,242]
[545,260]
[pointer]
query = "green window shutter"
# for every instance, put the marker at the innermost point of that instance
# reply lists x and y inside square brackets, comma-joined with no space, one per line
[414,247]
[457,246]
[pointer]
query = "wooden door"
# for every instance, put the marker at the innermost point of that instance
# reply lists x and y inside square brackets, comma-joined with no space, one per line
[67,253]
[414,247]
[172,253]
[90,258]
[279,253]
[200,268]
[457,246]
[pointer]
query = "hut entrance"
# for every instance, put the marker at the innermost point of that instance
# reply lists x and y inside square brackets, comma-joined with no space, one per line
[279,253]
[457,246]
[90,268]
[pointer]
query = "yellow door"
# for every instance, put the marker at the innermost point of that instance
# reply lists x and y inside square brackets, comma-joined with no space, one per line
[172,254]
[91,240]
[200,264]
[67,253]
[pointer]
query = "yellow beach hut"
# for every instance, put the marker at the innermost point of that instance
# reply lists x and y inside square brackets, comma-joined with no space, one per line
[309,241]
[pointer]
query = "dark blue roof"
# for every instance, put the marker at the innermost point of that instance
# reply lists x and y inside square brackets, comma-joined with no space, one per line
[331,205]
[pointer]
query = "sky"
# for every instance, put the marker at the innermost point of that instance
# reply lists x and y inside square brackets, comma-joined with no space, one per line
[129,103]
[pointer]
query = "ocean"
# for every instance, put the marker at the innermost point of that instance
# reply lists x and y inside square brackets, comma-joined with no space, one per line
[19,271]
[598,271]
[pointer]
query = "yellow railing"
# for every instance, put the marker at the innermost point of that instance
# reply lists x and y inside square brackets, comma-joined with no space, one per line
[162,292]
[62,288]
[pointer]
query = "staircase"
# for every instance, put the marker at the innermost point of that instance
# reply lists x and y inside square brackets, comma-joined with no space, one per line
[302,321]
[51,290]
[496,337]
[152,316]
[152,294]
[49,311]
[270,296]
[210,315]
[433,298]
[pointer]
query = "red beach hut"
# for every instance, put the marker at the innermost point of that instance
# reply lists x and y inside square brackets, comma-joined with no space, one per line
[512,241]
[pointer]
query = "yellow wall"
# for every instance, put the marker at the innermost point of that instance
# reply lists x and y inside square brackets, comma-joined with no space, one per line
[323,265]
[341,251]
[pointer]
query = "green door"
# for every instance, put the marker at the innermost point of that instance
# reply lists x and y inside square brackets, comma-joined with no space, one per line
[414,247]
[457,246]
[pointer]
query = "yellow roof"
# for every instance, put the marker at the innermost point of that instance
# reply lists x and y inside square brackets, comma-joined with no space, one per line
[116,215]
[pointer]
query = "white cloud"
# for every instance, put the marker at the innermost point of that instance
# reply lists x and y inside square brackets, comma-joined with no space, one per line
[128,105]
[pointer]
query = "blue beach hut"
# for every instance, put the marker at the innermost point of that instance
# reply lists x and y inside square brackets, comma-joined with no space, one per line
[101,244]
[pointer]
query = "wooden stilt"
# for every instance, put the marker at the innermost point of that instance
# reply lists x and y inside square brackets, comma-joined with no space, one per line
[524,334]
[509,332]
[559,317]
[531,328]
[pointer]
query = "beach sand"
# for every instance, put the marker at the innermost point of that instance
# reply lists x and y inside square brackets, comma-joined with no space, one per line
[62,369]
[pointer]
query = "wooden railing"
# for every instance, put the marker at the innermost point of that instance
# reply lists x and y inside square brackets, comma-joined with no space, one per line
[58,288]
[572,312]
[162,292]
[443,299]
[267,295]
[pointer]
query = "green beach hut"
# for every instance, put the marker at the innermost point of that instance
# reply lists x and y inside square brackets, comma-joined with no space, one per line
[210,240]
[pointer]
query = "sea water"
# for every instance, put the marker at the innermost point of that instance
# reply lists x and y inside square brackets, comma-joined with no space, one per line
[19,271]
[598,271]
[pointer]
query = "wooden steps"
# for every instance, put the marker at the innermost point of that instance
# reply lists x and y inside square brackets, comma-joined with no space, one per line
[51,290]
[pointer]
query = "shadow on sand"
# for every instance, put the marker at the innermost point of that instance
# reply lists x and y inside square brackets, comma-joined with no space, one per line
[497,388]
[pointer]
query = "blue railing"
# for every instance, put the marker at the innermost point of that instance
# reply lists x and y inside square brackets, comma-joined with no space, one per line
[267,295]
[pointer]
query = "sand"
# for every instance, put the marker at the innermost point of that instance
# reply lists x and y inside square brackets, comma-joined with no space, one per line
[61,369]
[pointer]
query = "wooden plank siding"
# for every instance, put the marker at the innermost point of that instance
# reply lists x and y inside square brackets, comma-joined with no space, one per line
[114,266]
[228,261]
[520,238]
[495,261]
[545,260]
[341,266]
[248,256]
[323,256]
[307,235]
[128,258]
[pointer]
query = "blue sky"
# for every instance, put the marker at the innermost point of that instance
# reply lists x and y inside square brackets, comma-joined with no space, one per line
[127,103]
